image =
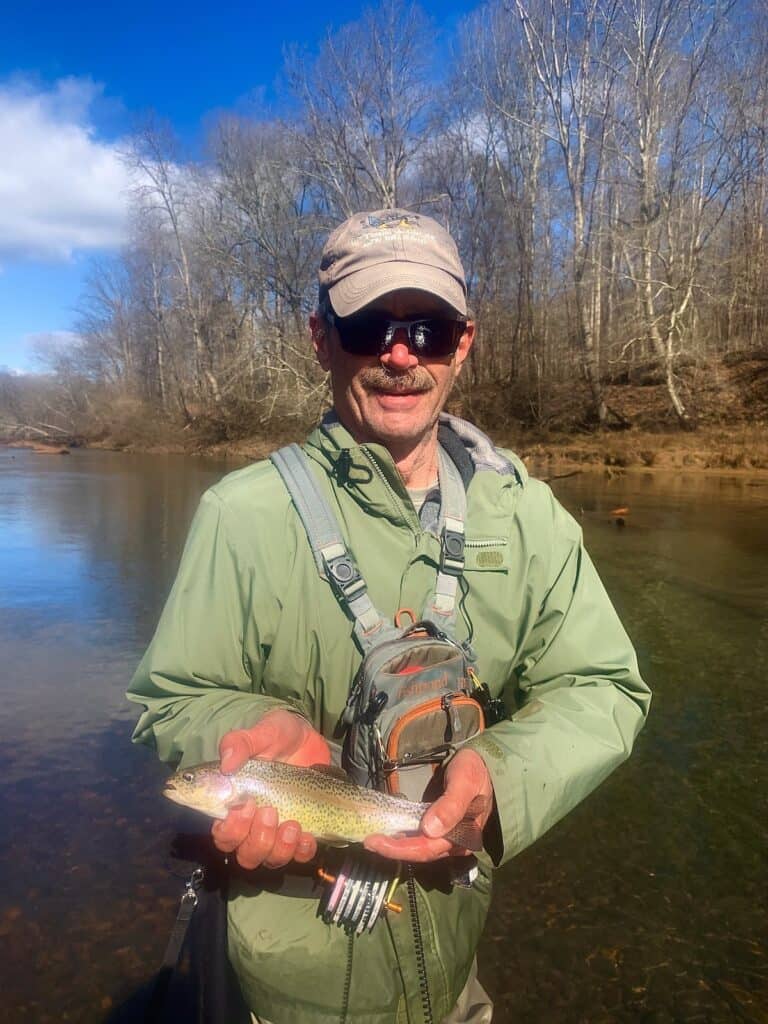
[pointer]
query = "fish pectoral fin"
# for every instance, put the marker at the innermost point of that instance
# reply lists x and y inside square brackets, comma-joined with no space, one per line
[330,769]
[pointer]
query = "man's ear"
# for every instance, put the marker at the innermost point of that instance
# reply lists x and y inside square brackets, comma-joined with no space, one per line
[465,344]
[318,329]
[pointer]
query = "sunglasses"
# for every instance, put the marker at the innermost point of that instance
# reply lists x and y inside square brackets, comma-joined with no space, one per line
[370,334]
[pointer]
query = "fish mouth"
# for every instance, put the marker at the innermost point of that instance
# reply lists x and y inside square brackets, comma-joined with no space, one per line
[172,793]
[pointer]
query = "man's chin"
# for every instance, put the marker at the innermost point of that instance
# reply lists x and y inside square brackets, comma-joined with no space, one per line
[395,424]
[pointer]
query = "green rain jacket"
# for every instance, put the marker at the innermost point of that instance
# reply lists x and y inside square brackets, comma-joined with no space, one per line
[250,626]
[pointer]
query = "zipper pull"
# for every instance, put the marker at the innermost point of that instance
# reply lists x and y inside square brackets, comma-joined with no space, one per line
[453,713]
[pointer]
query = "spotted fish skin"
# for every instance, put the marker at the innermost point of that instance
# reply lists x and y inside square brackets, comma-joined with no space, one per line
[326,804]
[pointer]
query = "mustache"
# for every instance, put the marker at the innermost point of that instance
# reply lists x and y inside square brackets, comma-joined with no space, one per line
[377,378]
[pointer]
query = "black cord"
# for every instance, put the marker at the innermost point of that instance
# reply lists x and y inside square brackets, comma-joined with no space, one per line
[464,586]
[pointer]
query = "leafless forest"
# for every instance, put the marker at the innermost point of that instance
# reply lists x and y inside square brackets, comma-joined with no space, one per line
[603,165]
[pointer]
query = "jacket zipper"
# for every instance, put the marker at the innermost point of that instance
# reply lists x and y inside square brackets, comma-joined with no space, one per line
[393,494]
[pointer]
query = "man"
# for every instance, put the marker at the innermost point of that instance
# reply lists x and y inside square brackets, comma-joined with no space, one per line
[254,655]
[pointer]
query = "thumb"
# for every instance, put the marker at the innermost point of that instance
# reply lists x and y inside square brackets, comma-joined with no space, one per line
[463,783]
[234,750]
[445,813]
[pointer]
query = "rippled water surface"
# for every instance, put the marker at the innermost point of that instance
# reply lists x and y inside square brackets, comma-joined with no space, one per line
[646,904]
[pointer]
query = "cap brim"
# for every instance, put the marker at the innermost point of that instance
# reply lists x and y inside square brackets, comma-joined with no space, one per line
[362,287]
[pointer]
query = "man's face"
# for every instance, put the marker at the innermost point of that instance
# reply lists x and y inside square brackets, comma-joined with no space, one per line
[393,398]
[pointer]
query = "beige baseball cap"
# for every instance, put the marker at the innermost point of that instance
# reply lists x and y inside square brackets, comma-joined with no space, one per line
[372,254]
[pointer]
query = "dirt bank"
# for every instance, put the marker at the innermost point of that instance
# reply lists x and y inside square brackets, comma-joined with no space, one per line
[742,449]
[735,450]
[738,450]
[727,399]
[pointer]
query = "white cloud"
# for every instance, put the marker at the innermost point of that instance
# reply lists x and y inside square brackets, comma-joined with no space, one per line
[60,340]
[46,348]
[61,189]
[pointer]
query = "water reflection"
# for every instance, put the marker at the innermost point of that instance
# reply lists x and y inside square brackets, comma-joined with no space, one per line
[645,904]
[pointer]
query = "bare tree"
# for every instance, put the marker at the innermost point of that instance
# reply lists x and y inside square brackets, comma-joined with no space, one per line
[745,253]
[674,144]
[602,165]
[164,186]
[510,269]
[268,241]
[570,48]
[363,103]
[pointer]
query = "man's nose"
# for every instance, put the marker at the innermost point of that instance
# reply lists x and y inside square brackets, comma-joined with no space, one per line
[399,356]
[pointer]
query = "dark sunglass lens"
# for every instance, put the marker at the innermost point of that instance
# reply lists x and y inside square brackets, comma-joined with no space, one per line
[371,335]
[435,337]
[362,335]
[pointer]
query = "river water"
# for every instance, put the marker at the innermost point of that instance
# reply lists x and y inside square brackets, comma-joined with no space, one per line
[647,904]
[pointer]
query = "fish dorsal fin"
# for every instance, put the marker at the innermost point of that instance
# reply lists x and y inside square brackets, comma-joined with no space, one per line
[331,769]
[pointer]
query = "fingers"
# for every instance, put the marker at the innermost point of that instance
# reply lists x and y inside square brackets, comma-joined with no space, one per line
[417,849]
[466,779]
[256,838]
[230,833]
[290,844]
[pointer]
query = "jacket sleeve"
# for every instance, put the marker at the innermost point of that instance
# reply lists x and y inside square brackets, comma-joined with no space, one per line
[583,701]
[201,675]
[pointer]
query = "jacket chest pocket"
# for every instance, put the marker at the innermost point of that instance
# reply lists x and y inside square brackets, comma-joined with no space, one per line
[487,554]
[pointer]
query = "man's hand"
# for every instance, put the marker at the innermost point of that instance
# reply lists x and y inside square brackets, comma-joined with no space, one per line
[253,833]
[466,780]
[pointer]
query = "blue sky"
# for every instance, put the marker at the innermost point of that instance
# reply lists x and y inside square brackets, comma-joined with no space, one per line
[74,79]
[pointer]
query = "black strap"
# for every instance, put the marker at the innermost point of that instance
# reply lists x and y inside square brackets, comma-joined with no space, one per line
[187,906]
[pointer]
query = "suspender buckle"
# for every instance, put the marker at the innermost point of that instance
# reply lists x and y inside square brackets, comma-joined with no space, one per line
[452,552]
[344,576]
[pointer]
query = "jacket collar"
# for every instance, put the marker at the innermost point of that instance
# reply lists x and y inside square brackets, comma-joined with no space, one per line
[332,439]
[369,474]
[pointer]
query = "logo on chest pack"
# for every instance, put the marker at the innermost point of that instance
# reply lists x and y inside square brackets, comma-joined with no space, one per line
[432,684]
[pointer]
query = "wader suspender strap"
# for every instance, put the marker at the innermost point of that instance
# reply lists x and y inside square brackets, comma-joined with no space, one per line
[453,508]
[336,564]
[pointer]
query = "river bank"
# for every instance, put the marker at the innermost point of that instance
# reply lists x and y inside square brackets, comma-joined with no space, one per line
[741,450]
[738,450]
[727,398]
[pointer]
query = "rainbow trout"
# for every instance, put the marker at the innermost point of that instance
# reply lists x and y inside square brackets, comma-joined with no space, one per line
[322,799]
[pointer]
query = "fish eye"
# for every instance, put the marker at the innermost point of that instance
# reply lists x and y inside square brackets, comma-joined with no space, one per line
[188,777]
